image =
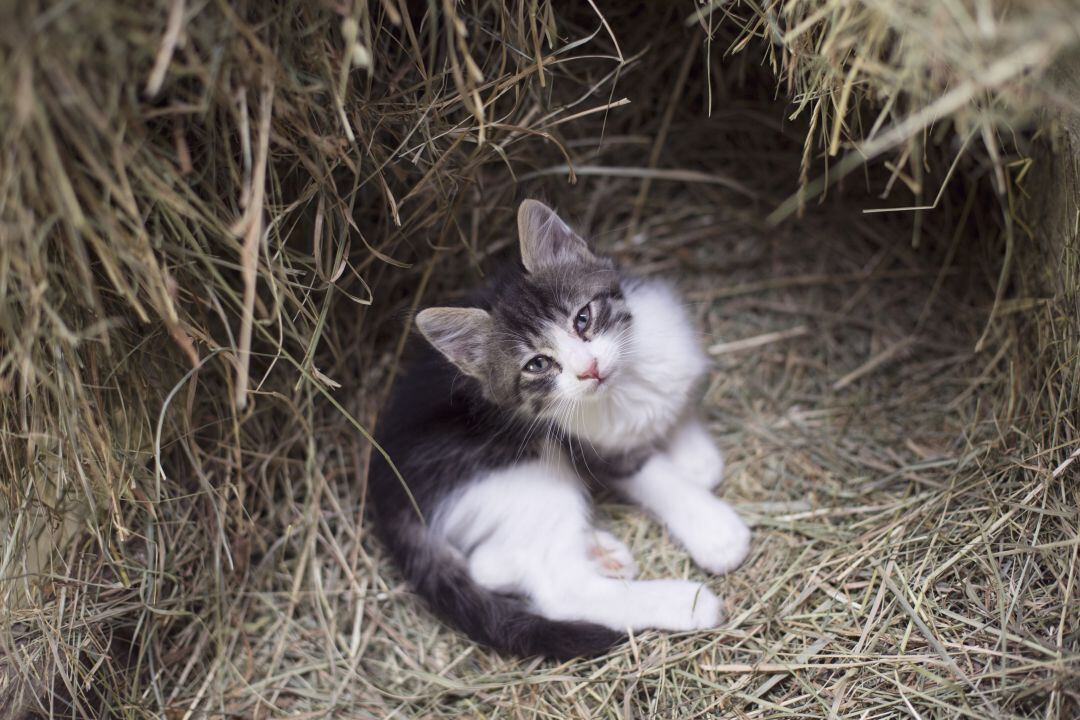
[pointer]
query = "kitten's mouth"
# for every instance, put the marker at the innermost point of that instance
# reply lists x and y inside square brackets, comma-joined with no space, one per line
[598,384]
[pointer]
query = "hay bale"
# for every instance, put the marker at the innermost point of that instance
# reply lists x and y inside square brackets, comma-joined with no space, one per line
[1049,274]
[213,215]
[188,192]
[930,83]
[875,77]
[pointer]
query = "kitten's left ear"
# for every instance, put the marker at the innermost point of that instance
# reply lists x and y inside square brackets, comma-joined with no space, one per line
[545,239]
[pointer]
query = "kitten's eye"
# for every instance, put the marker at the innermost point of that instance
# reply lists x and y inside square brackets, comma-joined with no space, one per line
[538,364]
[584,317]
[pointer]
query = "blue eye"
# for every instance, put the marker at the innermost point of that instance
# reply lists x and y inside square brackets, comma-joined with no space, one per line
[538,364]
[584,317]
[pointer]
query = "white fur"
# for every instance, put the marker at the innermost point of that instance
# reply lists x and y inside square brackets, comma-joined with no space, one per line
[575,356]
[650,384]
[695,454]
[610,556]
[716,537]
[527,528]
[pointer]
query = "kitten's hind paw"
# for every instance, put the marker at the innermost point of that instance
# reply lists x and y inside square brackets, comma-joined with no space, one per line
[691,606]
[610,556]
[708,610]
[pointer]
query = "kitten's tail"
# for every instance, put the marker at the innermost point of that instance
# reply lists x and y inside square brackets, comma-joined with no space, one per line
[502,622]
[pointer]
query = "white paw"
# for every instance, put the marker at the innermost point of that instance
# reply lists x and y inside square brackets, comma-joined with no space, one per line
[692,607]
[610,556]
[714,534]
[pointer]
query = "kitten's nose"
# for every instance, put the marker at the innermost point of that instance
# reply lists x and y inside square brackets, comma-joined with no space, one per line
[593,373]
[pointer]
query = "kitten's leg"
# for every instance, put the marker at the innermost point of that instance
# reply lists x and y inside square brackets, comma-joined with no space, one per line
[582,594]
[527,530]
[715,535]
[610,556]
[498,565]
[694,451]
[563,584]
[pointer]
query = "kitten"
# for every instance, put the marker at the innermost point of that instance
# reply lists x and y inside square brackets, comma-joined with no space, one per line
[563,373]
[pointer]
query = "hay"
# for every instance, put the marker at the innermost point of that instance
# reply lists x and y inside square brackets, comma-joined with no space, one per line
[878,77]
[215,214]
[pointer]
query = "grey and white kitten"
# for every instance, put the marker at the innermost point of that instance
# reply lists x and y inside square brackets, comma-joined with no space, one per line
[563,372]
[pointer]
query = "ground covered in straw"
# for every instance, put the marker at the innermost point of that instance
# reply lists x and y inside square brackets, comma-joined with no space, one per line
[218,218]
[902,565]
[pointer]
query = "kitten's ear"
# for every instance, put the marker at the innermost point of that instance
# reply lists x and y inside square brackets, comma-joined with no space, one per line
[461,334]
[545,239]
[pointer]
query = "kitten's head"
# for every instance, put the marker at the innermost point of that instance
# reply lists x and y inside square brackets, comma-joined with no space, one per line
[554,337]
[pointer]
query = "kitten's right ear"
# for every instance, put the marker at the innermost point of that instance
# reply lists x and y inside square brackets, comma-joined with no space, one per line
[461,334]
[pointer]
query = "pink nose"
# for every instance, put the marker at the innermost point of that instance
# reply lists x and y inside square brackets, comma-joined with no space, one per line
[593,373]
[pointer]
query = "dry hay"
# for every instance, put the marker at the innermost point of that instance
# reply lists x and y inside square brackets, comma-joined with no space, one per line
[182,185]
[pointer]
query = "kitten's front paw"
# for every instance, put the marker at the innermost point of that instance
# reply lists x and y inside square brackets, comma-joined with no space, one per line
[716,537]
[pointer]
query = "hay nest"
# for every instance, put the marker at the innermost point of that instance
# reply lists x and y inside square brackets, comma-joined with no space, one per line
[217,219]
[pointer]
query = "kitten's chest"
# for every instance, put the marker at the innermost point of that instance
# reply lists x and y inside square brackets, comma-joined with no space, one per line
[627,421]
